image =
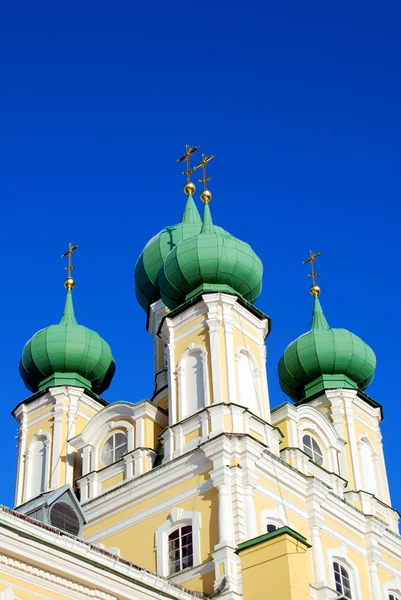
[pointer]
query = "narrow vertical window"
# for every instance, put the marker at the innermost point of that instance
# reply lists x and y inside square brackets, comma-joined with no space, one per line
[180,549]
[343,584]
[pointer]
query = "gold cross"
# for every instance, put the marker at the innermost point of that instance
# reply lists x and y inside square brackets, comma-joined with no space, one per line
[69,252]
[311,260]
[187,158]
[205,160]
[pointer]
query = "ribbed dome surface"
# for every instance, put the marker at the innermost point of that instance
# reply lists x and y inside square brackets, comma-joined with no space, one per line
[156,250]
[67,354]
[336,356]
[212,260]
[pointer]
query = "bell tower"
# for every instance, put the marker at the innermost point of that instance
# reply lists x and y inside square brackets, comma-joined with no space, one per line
[66,367]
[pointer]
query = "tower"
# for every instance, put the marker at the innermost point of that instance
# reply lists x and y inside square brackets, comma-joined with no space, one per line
[66,367]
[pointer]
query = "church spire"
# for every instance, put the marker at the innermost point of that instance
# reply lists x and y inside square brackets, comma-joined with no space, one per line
[191,213]
[318,318]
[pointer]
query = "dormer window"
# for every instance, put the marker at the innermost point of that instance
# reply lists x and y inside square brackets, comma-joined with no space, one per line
[312,449]
[114,448]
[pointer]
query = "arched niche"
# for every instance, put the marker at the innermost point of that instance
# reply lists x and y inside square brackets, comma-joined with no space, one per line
[369,466]
[37,465]
[192,381]
[248,376]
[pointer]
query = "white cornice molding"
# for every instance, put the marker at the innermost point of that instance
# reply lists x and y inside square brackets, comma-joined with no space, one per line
[73,558]
[50,577]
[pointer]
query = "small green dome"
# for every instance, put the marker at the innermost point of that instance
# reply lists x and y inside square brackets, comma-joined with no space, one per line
[151,259]
[325,358]
[67,354]
[214,260]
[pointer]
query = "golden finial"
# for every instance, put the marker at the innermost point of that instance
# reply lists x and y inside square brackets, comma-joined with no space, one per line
[315,289]
[189,187]
[69,282]
[206,195]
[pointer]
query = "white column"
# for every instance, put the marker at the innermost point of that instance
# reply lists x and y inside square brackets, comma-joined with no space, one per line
[86,460]
[140,432]
[382,468]
[57,445]
[225,520]
[250,513]
[352,443]
[374,581]
[172,386]
[19,484]
[319,570]
[264,384]
[27,474]
[212,323]
[227,304]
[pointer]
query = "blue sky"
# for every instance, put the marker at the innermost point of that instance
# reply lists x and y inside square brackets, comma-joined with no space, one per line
[299,102]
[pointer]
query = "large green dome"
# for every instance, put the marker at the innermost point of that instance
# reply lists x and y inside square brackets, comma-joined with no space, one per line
[325,358]
[67,354]
[156,250]
[214,260]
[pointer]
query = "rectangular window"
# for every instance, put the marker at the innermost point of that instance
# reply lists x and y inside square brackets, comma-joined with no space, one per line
[180,550]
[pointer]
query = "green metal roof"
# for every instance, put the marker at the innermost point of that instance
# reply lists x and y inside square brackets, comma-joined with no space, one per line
[67,354]
[325,358]
[214,260]
[156,250]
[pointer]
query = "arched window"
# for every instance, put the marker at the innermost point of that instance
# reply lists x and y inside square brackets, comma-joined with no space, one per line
[38,466]
[342,580]
[192,382]
[247,383]
[180,549]
[312,449]
[393,597]
[114,448]
[270,527]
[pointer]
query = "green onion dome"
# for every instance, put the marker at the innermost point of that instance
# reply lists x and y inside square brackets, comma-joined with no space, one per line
[325,358]
[156,250]
[67,354]
[214,260]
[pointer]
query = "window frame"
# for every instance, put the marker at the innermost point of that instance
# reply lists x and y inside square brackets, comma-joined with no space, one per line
[180,548]
[177,518]
[314,452]
[342,576]
[112,435]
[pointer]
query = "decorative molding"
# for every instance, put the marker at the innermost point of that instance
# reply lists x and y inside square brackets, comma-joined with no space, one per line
[52,578]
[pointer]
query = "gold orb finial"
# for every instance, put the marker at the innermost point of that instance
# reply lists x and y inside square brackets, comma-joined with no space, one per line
[206,196]
[189,188]
[69,283]
[315,290]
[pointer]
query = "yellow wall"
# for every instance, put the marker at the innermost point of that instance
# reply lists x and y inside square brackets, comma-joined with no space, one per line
[276,568]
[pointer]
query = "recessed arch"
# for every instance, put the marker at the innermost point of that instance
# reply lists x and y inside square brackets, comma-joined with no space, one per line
[193,393]
[248,379]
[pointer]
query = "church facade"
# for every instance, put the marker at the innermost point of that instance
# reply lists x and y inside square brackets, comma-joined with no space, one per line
[204,490]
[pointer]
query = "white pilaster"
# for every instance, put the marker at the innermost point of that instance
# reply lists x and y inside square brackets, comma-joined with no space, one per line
[212,322]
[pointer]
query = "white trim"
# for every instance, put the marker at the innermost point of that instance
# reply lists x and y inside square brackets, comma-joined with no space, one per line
[340,555]
[191,350]
[29,471]
[392,587]
[177,517]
